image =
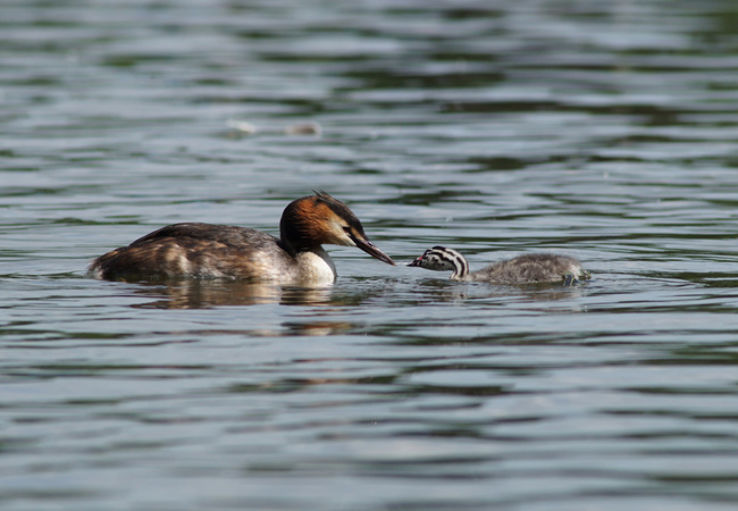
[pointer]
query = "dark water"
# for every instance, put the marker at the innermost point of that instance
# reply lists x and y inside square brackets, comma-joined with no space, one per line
[604,130]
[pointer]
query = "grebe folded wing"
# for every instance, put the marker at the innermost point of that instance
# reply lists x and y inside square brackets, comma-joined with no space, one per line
[231,235]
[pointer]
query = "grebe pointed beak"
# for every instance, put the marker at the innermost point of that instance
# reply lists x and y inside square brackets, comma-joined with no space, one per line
[369,247]
[415,262]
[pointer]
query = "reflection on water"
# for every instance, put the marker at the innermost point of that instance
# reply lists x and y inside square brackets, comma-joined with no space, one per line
[438,290]
[204,293]
[208,293]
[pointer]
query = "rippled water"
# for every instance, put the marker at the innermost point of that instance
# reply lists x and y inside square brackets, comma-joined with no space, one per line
[602,130]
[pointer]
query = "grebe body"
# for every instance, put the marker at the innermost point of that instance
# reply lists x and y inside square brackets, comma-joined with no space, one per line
[226,251]
[524,269]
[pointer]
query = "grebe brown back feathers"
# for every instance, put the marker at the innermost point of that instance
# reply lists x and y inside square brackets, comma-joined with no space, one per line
[524,269]
[206,250]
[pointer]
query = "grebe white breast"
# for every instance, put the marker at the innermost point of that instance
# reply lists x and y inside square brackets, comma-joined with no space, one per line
[206,250]
[524,269]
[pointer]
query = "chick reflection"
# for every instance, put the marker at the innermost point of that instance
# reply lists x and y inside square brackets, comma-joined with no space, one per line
[445,291]
[200,294]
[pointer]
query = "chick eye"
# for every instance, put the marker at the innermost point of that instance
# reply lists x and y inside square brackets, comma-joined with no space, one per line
[347,229]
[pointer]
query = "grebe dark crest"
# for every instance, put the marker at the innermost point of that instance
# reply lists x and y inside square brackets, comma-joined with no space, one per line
[524,269]
[206,250]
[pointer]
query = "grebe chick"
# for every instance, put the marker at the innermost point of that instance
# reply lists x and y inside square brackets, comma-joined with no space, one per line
[524,269]
[206,250]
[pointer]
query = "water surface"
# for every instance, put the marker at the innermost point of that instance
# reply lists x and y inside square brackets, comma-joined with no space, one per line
[606,131]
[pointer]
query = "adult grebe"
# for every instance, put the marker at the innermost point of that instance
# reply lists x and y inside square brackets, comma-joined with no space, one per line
[524,269]
[206,250]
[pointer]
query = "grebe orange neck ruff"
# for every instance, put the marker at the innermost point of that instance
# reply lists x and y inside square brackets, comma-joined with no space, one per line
[198,250]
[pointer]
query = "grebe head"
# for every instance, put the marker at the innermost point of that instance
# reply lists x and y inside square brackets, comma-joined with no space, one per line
[441,258]
[310,221]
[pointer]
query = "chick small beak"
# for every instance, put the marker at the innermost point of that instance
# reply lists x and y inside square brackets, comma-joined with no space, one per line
[415,262]
[369,247]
